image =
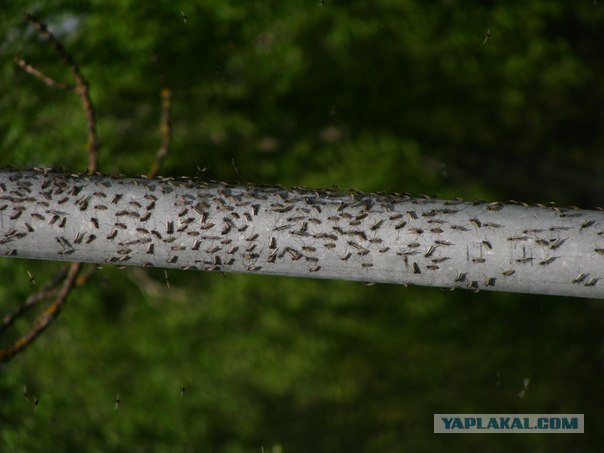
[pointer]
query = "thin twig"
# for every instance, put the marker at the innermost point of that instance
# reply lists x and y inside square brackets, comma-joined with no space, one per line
[85,276]
[70,272]
[46,292]
[49,290]
[165,122]
[41,76]
[81,89]
[165,129]
[46,319]
[72,279]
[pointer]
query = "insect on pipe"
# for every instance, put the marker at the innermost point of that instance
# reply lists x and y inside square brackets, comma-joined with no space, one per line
[302,232]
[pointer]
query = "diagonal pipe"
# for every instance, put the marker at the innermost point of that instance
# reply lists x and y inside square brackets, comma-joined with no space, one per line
[190,224]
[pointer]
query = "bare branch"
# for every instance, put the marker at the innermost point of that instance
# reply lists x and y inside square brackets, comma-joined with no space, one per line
[165,122]
[81,89]
[41,76]
[93,145]
[49,290]
[166,130]
[46,319]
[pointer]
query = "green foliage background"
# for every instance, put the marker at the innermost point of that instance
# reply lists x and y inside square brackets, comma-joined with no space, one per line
[377,95]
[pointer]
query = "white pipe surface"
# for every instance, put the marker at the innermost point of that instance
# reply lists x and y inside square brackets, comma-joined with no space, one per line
[218,226]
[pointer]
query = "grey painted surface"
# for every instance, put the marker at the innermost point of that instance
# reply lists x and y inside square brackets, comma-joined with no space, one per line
[191,224]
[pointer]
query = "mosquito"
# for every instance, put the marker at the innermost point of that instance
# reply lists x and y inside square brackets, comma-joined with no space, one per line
[487,36]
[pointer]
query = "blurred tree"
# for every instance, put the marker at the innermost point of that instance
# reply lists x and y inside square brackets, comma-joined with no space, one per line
[377,95]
